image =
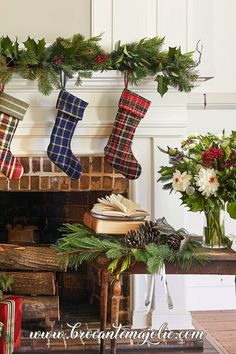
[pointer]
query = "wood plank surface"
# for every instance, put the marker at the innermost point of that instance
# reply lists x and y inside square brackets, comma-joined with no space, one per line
[221,327]
[28,258]
[33,283]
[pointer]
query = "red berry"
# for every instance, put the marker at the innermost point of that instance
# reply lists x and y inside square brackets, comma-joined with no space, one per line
[58,61]
[213,153]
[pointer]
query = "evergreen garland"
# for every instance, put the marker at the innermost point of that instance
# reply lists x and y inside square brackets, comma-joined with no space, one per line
[80,244]
[79,56]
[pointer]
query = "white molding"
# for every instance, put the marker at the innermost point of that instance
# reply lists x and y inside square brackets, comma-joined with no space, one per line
[101,21]
[176,319]
[212,101]
[103,130]
[111,80]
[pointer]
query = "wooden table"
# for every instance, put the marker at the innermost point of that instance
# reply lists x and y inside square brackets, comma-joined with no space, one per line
[221,262]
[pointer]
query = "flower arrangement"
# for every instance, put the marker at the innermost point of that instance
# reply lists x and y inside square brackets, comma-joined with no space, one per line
[203,171]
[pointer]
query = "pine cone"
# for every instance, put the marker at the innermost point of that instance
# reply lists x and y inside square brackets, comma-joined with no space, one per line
[144,235]
[174,241]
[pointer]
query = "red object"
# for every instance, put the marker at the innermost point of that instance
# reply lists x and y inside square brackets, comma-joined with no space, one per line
[9,165]
[4,320]
[213,153]
[58,61]
[118,151]
[101,58]
[18,319]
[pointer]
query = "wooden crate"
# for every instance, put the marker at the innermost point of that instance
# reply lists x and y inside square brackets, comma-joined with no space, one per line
[23,235]
[40,311]
[33,283]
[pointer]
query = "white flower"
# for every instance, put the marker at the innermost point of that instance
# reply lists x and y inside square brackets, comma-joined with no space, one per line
[190,146]
[193,135]
[181,181]
[207,182]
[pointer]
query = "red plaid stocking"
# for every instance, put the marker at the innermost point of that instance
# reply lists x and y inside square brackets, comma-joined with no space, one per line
[118,152]
[12,110]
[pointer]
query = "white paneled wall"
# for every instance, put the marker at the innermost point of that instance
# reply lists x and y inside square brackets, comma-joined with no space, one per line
[172,22]
[49,19]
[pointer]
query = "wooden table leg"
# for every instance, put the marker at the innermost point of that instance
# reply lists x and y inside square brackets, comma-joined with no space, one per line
[103,307]
[115,305]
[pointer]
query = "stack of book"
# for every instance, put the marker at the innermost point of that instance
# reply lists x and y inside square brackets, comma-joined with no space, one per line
[115,215]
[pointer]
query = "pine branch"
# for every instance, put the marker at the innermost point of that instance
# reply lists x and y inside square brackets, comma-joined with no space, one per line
[80,244]
[80,56]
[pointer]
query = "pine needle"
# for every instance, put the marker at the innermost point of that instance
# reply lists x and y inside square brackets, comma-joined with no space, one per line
[80,244]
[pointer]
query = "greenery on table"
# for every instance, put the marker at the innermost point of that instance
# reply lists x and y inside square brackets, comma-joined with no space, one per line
[80,244]
[79,56]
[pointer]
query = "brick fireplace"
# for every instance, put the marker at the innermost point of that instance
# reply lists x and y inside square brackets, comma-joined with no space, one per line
[164,124]
[46,198]
[40,174]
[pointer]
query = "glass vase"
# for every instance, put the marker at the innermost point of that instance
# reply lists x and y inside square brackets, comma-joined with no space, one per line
[214,227]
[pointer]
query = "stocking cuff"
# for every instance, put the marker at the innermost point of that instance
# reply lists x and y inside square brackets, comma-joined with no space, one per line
[134,103]
[12,106]
[70,104]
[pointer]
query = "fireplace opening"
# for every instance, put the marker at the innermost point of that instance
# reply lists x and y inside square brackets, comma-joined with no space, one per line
[34,219]
[45,212]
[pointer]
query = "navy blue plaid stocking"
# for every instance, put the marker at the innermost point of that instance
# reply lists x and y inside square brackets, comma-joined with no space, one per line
[70,111]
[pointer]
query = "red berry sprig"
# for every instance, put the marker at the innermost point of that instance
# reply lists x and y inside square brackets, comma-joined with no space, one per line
[101,58]
[57,61]
[213,153]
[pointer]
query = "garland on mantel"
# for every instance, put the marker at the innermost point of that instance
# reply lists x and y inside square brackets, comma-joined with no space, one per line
[79,56]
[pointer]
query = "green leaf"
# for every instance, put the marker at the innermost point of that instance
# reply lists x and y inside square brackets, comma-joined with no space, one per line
[234,134]
[113,265]
[162,86]
[172,52]
[167,186]
[126,52]
[41,48]
[120,59]
[174,74]
[117,46]
[162,150]
[125,264]
[194,202]
[140,255]
[227,151]
[231,208]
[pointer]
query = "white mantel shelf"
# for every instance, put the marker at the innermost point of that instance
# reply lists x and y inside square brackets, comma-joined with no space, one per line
[107,80]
